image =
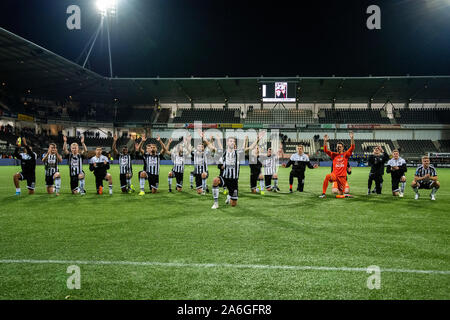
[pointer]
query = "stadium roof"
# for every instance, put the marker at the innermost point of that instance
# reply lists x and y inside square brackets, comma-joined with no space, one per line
[32,70]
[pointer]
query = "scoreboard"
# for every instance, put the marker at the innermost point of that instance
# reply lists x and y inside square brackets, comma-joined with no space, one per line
[281,91]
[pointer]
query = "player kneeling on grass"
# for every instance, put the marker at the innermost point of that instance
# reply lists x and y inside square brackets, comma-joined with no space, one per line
[335,189]
[299,162]
[126,167]
[28,163]
[425,178]
[340,161]
[75,159]
[99,164]
[152,162]
[52,175]
[231,166]
[397,168]
[177,154]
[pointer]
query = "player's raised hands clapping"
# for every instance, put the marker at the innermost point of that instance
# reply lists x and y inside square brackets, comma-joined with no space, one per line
[65,139]
[115,138]
[82,139]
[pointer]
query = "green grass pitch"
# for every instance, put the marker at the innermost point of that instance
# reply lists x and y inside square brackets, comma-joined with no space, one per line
[257,250]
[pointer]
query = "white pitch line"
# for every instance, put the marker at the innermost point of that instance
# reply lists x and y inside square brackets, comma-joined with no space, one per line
[220,265]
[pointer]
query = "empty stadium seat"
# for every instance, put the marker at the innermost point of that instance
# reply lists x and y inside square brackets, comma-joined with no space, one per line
[352,116]
[428,116]
[280,116]
[208,116]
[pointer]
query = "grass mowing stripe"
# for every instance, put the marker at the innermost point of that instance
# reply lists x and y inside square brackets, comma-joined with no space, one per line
[219,265]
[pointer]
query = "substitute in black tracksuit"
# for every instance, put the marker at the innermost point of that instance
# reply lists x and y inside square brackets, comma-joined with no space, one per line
[299,162]
[376,163]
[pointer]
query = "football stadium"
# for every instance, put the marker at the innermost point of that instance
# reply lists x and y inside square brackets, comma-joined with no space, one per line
[219,188]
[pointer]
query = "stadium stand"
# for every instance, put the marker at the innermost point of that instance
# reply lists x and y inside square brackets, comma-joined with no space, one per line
[309,146]
[428,116]
[352,116]
[280,116]
[416,146]
[208,116]
[134,115]
[444,145]
[163,116]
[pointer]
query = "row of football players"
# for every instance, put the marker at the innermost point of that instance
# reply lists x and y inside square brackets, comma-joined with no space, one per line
[229,165]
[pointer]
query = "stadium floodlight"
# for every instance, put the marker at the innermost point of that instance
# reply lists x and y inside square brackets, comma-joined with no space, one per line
[107,7]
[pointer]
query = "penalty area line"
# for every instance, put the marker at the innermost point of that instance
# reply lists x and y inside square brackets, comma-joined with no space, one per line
[220,265]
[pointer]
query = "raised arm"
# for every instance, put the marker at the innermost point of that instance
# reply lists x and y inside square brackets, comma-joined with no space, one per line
[46,155]
[208,143]
[163,147]
[143,139]
[84,152]
[352,147]
[219,142]
[114,145]
[325,146]
[65,151]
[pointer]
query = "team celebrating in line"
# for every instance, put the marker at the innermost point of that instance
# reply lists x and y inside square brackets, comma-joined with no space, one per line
[263,167]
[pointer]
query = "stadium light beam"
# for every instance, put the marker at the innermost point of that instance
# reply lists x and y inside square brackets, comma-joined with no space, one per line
[107,7]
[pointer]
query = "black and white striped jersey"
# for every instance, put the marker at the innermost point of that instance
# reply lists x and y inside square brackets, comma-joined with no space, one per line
[75,164]
[200,161]
[178,162]
[231,163]
[125,165]
[51,165]
[270,164]
[422,171]
[152,163]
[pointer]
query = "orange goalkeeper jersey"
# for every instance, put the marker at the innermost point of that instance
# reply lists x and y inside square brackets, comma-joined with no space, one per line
[340,160]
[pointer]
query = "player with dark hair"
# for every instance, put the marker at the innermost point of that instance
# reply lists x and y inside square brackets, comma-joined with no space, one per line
[125,166]
[376,163]
[254,163]
[152,161]
[52,175]
[178,156]
[75,159]
[200,156]
[340,161]
[28,163]
[299,162]
[397,168]
[99,165]
[425,178]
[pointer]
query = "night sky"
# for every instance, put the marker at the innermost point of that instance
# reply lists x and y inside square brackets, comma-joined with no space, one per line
[215,38]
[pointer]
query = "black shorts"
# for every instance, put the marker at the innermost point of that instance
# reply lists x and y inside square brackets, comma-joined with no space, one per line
[199,179]
[425,184]
[395,182]
[253,180]
[231,185]
[74,181]
[297,174]
[153,180]
[268,181]
[30,177]
[179,179]
[123,179]
[49,181]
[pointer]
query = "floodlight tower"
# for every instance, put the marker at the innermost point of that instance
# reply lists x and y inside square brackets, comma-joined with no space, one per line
[107,10]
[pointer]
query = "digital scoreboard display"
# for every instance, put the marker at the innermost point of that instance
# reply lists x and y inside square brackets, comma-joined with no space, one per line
[281,91]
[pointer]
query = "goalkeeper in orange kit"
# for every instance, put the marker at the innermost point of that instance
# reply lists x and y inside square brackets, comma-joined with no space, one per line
[340,162]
